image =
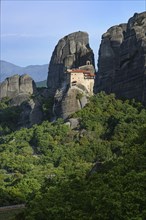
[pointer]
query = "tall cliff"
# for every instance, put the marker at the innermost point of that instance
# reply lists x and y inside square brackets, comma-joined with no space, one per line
[122,60]
[71,51]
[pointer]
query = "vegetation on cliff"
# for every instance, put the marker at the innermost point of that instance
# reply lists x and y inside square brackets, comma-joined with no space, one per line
[9,116]
[95,171]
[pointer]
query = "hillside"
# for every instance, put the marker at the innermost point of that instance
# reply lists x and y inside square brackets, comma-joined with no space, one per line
[94,171]
[91,163]
[37,72]
[41,84]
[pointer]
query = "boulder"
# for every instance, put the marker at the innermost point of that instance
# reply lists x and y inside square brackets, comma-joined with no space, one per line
[74,122]
[69,102]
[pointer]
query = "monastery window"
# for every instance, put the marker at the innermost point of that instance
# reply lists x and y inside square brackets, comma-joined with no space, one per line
[74,83]
[87,62]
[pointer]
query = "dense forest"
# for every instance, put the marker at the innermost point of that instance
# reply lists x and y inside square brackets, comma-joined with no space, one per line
[96,171]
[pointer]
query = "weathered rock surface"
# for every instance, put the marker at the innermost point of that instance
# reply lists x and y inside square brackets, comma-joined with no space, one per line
[20,89]
[15,85]
[71,51]
[122,60]
[71,101]
[31,113]
[73,123]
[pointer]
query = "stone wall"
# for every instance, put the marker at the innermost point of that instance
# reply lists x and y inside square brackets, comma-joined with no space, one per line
[80,79]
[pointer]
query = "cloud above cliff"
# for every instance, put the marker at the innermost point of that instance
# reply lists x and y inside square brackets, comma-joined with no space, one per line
[31,29]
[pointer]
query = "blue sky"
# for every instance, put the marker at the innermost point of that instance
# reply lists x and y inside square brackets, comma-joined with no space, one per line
[30,30]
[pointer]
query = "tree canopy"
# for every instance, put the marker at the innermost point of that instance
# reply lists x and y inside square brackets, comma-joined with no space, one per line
[94,171]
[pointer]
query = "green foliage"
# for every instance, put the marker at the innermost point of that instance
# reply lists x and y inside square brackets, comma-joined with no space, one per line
[96,171]
[41,84]
[9,116]
[47,105]
[4,103]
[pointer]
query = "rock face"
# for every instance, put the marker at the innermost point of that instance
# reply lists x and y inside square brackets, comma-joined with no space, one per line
[71,51]
[71,101]
[15,85]
[122,60]
[19,89]
[31,113]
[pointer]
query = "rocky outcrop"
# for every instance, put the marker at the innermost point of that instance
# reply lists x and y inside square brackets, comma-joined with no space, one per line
[71,51]
[73,123]
[31,113]
[122,60]
[109,57]
[22,92]
[16,85]
[71,101]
